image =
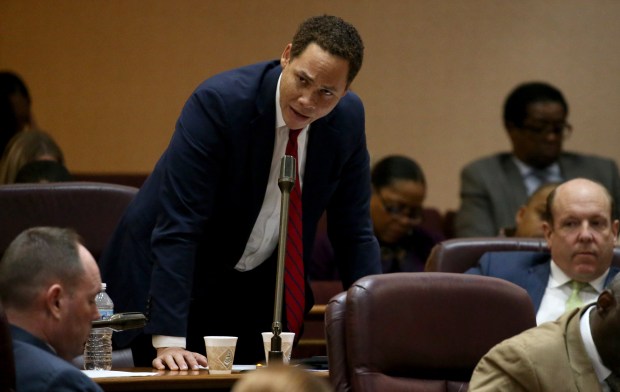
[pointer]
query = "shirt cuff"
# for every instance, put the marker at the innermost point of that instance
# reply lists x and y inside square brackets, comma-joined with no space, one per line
[160,341]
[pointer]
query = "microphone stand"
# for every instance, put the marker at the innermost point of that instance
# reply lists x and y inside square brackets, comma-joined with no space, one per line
[286,181]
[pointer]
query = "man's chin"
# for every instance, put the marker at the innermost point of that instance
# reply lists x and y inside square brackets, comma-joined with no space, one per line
[543,163]
[296,121]
[586,274]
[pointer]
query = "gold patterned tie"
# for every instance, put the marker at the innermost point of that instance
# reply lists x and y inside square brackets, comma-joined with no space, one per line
[574,301]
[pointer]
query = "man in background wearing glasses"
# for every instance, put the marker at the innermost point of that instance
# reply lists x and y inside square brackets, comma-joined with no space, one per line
[493,188]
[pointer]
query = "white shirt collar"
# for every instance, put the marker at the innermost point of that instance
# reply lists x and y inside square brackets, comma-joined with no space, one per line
[586,335]
[559,278]
[526,170]
[279,119]
[281,125]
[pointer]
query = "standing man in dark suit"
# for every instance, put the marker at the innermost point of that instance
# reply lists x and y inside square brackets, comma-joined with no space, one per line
[493,188]
[196,249]
[48,284]
[581,235]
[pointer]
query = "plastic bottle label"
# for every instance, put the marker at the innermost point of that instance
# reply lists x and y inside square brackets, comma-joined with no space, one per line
[105,314]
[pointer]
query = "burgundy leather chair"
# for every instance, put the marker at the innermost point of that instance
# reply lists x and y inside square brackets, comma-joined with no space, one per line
[337,350]
[419,331]
[7,364]
[92,209]
[460,254]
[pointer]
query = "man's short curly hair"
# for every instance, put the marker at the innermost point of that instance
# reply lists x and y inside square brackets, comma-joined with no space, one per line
[333,35]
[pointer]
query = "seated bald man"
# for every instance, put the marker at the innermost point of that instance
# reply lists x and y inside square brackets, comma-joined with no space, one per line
[581,235]
[48,284]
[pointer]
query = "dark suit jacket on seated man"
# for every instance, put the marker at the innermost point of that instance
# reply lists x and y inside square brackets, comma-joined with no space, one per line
[581,236]
[578,352]
[198,243]
[493,188]
[48,284]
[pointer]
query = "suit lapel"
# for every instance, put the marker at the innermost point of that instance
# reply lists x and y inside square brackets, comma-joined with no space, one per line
[613,270]
[320,156]
[514,185]
[536,282]
[568,170]
[583,371]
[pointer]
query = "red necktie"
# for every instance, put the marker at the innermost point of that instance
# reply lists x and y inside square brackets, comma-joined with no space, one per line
[294,284]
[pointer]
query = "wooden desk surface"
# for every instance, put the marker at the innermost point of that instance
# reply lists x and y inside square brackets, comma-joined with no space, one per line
[169,380]
[173,380]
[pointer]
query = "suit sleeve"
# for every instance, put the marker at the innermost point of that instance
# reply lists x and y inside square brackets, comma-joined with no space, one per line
[191,170]
[507,367]
[474,217]
[348,214]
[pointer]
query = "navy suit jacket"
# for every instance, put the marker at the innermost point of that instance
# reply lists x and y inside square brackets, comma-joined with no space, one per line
[193,216]
[529,270]
[38,368]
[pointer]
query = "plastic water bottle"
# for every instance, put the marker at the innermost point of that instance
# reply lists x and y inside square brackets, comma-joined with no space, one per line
[98,349]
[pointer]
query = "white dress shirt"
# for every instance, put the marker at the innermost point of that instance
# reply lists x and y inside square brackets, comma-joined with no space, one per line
[264,237]
[602,372]
[559,290]
[532,180]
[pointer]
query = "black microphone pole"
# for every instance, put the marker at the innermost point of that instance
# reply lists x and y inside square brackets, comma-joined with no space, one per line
[286,181]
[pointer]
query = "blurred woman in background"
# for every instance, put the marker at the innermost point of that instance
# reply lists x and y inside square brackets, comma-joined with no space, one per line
[397,213]
[25,147]
[15,103]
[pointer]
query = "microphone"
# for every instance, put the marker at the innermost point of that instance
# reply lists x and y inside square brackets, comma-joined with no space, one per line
[122,321]
[286,181]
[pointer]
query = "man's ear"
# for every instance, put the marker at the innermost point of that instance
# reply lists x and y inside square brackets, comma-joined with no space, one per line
[285,59]
[605,302]
[54,300]
[547,230]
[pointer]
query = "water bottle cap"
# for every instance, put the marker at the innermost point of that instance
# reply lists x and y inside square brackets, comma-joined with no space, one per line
[103,286]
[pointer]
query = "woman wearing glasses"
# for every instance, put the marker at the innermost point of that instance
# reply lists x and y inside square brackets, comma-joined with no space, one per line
[396,209]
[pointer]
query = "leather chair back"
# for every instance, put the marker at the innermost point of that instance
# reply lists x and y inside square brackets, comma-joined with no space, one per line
[7,364]
[92,209]
[420,331]
[336,345]
[460,254]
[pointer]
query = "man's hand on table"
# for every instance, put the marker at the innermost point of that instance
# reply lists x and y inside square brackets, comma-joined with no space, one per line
[177,358]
